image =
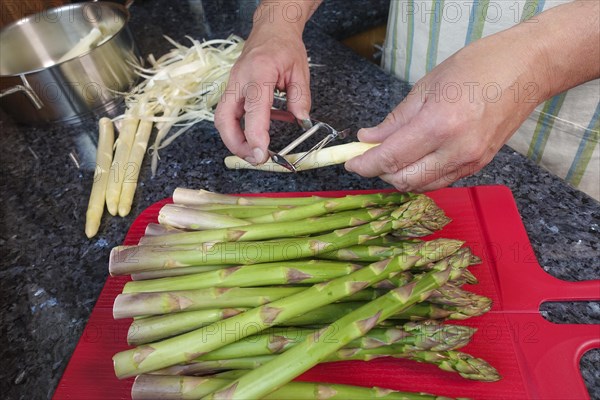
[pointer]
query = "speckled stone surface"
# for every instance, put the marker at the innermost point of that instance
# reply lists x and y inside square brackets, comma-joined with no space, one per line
[340,20]
[51,275]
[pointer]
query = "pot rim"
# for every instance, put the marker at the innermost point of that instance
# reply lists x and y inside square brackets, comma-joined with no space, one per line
[26,19]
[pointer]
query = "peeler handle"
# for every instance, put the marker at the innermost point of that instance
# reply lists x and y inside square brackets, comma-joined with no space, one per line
[285,116]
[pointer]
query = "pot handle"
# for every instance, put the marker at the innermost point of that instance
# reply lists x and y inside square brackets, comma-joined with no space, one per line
[28,91]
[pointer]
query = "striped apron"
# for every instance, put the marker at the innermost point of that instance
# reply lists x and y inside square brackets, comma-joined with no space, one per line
[561,135]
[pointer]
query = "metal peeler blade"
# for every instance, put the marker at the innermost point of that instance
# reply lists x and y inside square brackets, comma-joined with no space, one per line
[278,159]
[310,127]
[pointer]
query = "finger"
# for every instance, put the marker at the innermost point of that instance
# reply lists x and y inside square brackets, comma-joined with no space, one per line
[431,172]
[227,121]
[449,178]
[398,151]
[258,100]
[298,94]
[399,117]
[440,183]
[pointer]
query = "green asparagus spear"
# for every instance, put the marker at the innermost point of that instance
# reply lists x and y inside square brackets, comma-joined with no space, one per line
[413,336]
[366,253]
[166,273]
[334,205]
[417,312]
[130,259]
[146,304]
[129,305]
[186,218]
[238,211]
[278,273]
[150,329]
[198,197]
[390,240]
[370,253]
[274,230]
[464,364]
[126,260]
[428,335]
[452,295]
[153,229]
[148,387]
[188,346]
[162,326]
[316,347]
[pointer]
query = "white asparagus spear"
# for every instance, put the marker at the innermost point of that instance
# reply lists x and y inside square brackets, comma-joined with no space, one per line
[133,167]
[106,139]
[85,43]
[192,197]
[153,229]
[322,158]
[180,217]
[119,165]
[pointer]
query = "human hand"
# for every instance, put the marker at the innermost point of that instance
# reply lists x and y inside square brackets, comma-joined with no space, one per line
[456,118]
[274,56]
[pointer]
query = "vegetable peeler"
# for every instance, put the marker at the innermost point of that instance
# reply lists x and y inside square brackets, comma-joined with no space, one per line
[310,128]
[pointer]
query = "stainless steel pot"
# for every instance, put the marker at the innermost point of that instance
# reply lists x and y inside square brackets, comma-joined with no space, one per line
[40,87]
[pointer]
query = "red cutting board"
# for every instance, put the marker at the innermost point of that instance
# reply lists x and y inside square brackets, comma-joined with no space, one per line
[537,359]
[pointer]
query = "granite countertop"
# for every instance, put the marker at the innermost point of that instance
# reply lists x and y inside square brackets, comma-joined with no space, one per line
[51,275]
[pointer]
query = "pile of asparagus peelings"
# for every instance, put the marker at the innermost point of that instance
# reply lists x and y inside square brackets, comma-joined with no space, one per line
[233,297]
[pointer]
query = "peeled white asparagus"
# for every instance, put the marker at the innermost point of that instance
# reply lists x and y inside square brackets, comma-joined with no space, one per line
[85,43]
[119,165]
[179,89]
[106,139]
[327,156]
[133,167]
[182,87]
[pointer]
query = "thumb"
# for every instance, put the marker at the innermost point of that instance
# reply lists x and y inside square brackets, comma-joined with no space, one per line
[369,164]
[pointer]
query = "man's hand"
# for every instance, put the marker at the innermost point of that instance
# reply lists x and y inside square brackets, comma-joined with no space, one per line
[459,115]
[453,121]
[274,56]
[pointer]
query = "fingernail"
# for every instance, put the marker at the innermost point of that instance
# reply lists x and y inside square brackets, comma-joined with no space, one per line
[250,160]
[362,131]
[259,155]
[348,167]
[306,123]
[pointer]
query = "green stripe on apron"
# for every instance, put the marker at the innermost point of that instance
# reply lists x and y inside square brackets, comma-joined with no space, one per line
[410,37]
[531,8]
[544,127]
[477,20]
[434,34]
[585,150]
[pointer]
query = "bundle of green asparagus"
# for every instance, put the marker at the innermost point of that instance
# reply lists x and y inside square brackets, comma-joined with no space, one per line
[233,297]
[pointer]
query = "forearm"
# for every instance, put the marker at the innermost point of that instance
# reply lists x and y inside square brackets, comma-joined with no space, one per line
[290,15]
[566,41]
